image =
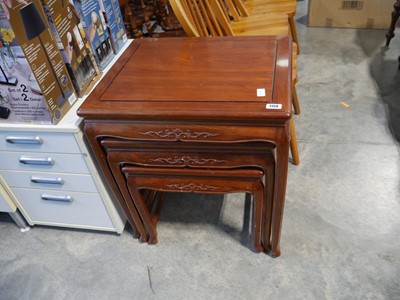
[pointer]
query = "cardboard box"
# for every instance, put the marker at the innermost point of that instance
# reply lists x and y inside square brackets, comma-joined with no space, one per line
[372,14]
[52,87]
[21,99]
[93,22]
[115,23]
[75,50]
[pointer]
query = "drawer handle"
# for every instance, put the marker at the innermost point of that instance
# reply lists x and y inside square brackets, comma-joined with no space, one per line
[56,198]
[47,161]
[57,180]
[35,140]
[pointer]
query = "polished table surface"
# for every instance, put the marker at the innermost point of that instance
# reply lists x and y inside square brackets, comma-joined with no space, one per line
[222,90]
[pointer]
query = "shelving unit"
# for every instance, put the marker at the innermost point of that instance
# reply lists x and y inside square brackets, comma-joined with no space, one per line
[52,177]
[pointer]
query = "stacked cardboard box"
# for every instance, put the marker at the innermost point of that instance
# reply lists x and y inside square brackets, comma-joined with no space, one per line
[372,14]
[115,23]
[50,85]
[68,31]
[51,52]
[94,23]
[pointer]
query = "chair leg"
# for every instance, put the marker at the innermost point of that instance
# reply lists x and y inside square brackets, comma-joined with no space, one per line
[295,99]
[395,18]
[293,143]
[294,33]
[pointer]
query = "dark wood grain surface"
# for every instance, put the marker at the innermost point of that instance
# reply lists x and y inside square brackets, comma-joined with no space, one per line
[196,77]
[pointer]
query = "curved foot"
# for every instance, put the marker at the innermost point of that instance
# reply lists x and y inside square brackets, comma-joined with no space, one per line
[258,248]
[135,235]
[274,253]
[153,241]
[143,239]
[267,247]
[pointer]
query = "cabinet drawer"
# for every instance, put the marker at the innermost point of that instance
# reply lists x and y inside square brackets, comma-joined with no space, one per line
[85,209]
[51,162]
[50,181]
[38,142]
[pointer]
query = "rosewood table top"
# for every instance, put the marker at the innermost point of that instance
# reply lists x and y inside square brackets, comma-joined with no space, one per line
[181,78]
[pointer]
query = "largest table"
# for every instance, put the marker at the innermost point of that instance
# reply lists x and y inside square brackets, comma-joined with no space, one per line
[196,90]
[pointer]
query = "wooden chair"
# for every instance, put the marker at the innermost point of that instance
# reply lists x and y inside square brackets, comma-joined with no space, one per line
[137,15]
[141,18]
[211,18]
[275,24]
[260,7]
[207,18]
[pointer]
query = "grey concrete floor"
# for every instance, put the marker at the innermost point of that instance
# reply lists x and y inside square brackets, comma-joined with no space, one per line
[341,231]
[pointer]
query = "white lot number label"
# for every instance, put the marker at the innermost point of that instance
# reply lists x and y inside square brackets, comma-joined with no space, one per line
[261,93]
[273,106]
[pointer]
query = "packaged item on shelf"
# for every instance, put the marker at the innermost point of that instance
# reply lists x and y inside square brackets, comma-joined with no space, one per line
[47,95]
[115,23]
[76,52]
[93,22]
[21,97]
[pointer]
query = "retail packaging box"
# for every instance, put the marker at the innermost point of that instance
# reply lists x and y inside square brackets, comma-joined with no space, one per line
[93,22]
[115,23]
[71,39]
[372,14]
[38,86]
[21,99]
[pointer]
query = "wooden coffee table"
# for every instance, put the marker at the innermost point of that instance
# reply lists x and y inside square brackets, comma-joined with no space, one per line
[220,92]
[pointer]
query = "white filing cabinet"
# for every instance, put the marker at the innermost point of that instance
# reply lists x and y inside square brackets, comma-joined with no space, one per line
[55,181]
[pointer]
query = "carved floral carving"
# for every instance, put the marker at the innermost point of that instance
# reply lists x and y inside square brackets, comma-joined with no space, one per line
[179,134]
[192,187]
[187,160]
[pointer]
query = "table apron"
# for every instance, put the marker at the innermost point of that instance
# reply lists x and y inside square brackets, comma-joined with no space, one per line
[186,132]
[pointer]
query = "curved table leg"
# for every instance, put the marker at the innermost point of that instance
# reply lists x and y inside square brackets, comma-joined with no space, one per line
[395,17]
[281,171]
[258,203]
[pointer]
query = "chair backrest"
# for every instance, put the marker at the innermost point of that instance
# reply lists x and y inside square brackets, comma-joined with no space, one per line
[184,16]
[220,12]
[198,17]
[236,9]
